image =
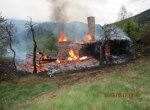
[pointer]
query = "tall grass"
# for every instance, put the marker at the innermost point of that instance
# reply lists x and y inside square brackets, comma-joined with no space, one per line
[86,95]
[12,93]
[91,95]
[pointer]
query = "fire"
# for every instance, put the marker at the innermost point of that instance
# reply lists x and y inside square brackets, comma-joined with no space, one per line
[58,61]
[88,37]
[62,38]
[72,55]
[83,58]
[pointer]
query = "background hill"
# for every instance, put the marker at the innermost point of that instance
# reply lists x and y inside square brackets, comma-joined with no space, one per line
[143,17]
[136,27]
[47,34]
[74,30]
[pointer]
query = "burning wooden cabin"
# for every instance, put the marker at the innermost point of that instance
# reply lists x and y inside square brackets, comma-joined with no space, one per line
[81,48]
[119,45]
[90,52]
[87,53]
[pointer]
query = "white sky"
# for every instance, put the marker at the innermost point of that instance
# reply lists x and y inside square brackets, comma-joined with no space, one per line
[105,11]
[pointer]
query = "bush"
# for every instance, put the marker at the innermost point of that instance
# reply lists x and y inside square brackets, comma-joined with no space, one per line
[47,44]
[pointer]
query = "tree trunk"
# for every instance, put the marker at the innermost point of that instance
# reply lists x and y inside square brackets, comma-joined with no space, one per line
[31,29]
[10,44]
[34,51]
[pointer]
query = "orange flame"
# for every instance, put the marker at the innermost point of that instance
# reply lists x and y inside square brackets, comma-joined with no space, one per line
[62,38]
[88,37]
[72,55]
[58,61]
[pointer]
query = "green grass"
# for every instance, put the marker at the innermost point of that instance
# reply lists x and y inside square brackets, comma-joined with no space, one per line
[12,93]
[87,95]
[91,95]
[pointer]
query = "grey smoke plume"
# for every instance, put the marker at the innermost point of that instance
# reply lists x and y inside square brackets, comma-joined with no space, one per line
[59,14]
[62,12]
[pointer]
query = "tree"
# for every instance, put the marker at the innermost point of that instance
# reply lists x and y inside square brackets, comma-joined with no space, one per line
[9,29]
[131,27]
[31,29]
[47,42]
[145,32]
[6,36]
[122,13]
[108,30]
[144,35]
[143,45]
[3,37]
[127,23]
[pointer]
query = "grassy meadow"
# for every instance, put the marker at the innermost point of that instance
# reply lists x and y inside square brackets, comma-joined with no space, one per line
[126,88]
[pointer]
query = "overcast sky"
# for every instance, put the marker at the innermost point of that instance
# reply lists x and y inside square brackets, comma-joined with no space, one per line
[105,11]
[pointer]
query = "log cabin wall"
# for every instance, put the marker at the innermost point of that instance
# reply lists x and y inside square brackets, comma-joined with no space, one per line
[62,49]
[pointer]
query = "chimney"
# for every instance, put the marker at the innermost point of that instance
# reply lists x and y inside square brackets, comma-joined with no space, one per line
[91,26]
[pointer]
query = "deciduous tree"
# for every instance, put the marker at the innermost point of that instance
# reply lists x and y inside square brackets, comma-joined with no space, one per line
[9,30]
[3,37]
[6,36]
[108,31]
[31,29]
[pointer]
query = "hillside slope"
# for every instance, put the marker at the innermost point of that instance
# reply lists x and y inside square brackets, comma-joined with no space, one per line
[143,17]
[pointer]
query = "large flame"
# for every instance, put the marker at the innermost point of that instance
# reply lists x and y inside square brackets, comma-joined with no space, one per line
[72,55]
[62,38]
[88,37]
